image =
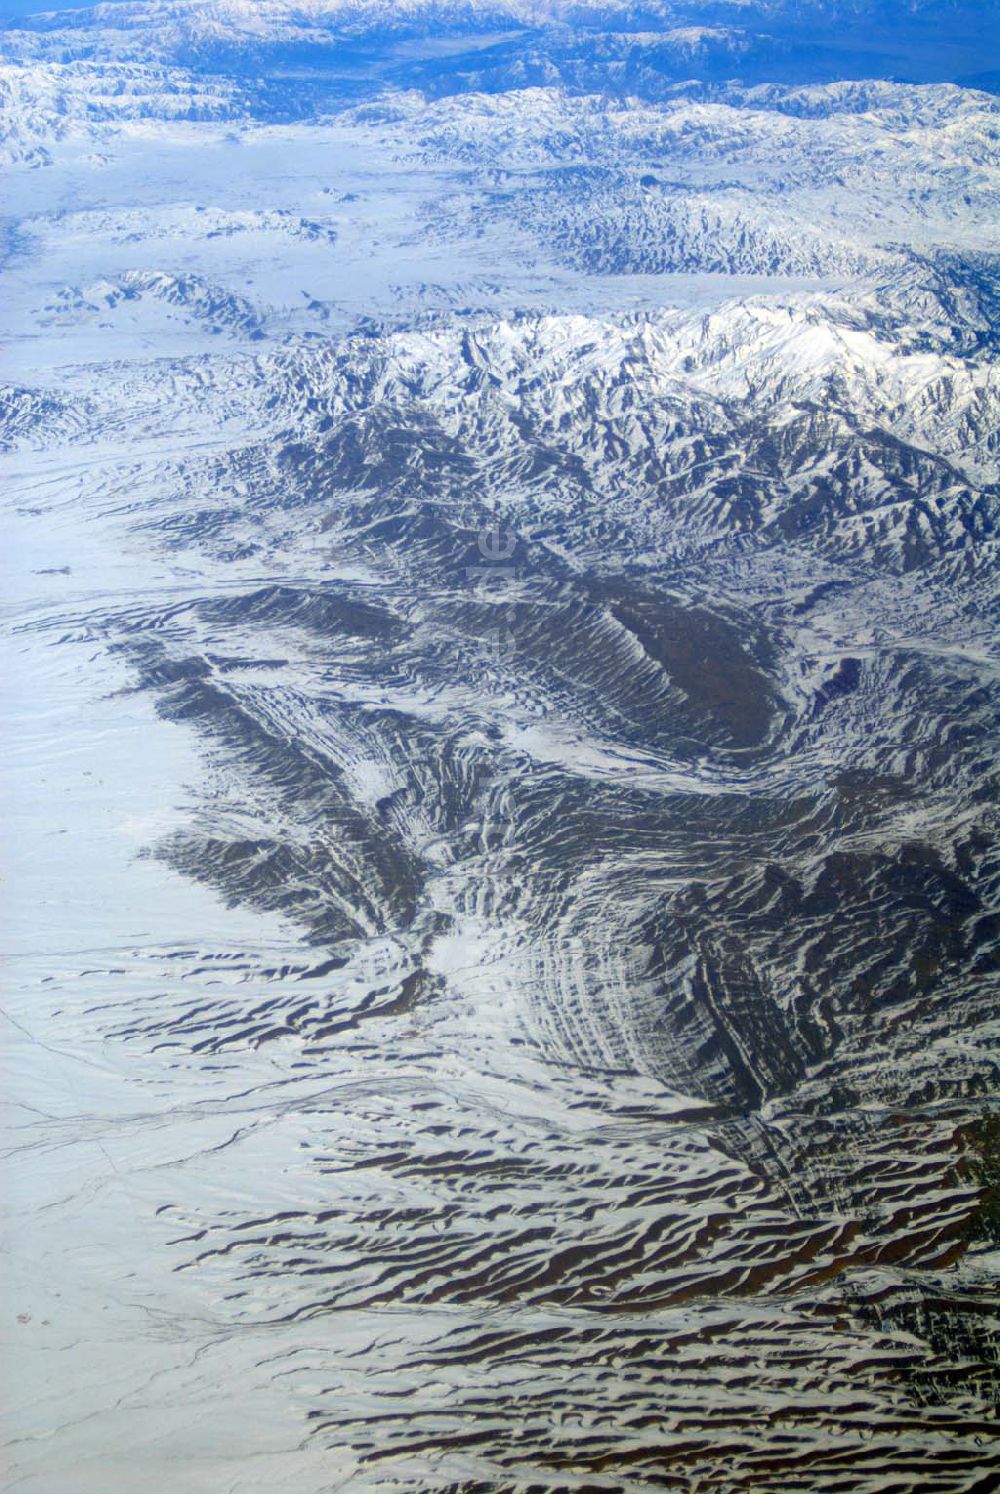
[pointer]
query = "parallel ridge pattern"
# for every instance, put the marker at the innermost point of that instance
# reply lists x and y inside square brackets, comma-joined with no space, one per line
[637,850]
[610,1109]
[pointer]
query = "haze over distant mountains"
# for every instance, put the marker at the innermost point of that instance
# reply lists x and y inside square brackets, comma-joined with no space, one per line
[622,44]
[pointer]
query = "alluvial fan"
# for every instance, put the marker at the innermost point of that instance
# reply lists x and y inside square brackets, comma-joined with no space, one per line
[503,955]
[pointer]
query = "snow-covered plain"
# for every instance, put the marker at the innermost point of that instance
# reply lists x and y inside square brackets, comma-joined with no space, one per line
[500,666]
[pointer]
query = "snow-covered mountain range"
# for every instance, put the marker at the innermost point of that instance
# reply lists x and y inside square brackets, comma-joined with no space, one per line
[503,501]
[447,45]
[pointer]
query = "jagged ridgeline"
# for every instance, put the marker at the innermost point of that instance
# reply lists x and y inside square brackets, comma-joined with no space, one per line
[505,499]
